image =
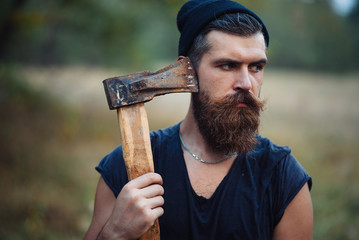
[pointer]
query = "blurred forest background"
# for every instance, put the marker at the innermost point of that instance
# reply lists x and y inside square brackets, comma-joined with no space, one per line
[55,125]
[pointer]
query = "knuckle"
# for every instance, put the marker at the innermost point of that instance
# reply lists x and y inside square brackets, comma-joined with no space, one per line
[141,206]
[125,189]
[148,217]
[161,211]
[154,177]
[133,195]
[161,190]
[161,200]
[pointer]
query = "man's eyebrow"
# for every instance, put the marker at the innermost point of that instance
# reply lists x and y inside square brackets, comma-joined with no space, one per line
[225,61]
[261,61]
[229,60]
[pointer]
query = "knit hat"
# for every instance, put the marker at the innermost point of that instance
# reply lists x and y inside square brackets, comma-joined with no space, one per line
[195,14]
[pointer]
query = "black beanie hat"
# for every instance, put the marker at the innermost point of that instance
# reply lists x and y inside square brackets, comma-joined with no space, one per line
[195,14]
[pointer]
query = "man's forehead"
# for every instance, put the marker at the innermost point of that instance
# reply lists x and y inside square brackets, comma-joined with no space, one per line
[222,43]
[223,37]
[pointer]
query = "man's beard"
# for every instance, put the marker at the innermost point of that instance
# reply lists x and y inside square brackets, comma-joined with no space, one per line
[225,127]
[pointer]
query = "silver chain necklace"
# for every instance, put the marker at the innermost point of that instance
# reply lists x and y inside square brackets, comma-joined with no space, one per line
[200,159]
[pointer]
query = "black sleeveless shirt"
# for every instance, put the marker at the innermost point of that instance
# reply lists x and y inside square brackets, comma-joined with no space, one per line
[247,204]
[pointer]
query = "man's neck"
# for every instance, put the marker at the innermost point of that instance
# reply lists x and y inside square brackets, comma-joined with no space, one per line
[194,140]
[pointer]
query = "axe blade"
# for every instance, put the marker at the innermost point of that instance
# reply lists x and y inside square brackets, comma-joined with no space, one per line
[144,86]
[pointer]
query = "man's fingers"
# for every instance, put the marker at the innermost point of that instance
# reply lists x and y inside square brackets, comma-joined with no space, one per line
[152,191]
[146,180]
[155,202]
[157,212]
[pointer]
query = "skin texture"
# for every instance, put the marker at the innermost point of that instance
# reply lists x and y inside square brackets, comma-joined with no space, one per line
[232,63]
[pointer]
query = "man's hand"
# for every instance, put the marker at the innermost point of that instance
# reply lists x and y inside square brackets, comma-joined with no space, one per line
[136,208]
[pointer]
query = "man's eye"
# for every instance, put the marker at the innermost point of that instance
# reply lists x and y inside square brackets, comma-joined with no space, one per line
[256,67]
[228,66]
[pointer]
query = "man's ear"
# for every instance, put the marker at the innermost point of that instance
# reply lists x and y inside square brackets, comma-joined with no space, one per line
[180,57]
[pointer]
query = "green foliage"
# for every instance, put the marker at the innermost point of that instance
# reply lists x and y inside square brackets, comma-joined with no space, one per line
[110,33]
[310,36]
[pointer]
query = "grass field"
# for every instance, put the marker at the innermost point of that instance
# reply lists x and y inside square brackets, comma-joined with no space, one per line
[56,127]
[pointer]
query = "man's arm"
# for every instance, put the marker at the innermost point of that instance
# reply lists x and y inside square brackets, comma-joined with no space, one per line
[129,216]
[104,203]
[297,220]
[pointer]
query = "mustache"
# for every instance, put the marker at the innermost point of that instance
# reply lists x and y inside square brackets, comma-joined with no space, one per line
[244,97]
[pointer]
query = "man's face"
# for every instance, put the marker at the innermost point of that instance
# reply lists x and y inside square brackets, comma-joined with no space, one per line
[230,75]
[232,62]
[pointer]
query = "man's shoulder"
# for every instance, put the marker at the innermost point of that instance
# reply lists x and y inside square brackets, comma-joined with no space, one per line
[269,153]
[165,133]
[267,145]
[275,162]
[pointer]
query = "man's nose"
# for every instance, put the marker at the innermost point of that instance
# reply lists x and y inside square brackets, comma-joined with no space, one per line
[242,80]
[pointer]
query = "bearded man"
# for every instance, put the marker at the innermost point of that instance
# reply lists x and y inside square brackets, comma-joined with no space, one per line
[216,177]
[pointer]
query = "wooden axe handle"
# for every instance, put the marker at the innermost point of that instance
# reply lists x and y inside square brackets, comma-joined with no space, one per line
[136,148]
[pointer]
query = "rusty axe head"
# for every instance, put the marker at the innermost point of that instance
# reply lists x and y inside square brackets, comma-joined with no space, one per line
[144,86]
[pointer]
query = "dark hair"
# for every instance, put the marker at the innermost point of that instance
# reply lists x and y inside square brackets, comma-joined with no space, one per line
[241,24]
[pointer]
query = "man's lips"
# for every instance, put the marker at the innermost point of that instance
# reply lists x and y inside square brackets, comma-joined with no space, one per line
[241,105]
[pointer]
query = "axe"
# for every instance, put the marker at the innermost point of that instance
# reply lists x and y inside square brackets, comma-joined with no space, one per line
[128,94]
